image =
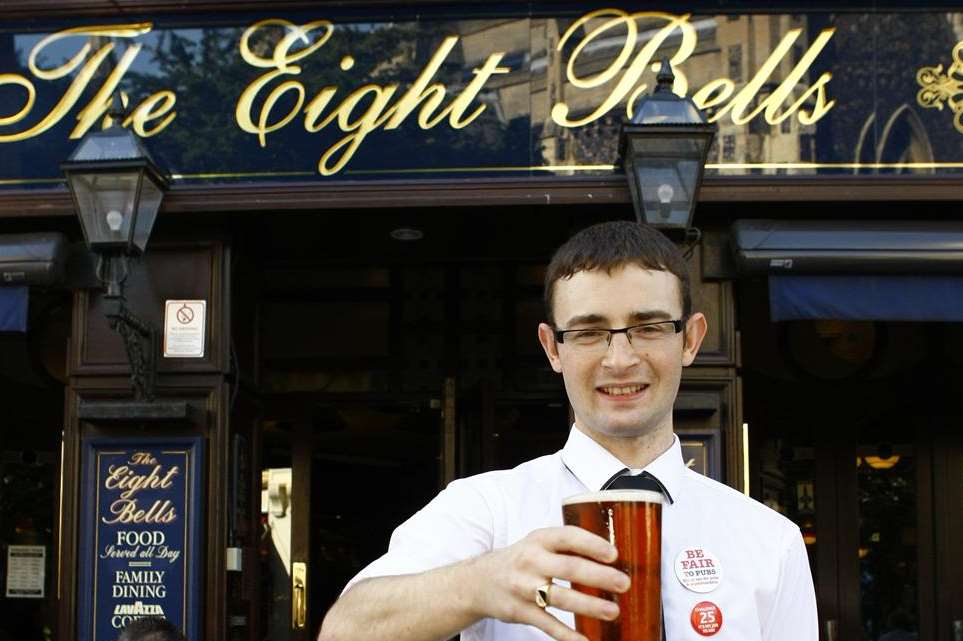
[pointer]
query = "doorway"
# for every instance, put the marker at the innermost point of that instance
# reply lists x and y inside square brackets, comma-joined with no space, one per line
[857,436]
[376,385]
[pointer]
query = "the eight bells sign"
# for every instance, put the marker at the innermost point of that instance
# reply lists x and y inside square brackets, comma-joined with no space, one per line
[143,507]
[593,67]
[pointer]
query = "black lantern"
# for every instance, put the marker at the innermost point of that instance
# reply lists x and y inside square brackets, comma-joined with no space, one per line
[664,149]
[117,190]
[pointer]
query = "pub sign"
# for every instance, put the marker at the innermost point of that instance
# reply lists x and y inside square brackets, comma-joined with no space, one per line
[341,93]
[142,507]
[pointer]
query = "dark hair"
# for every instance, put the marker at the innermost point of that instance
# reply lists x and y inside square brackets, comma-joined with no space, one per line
[609,246]
[150,629]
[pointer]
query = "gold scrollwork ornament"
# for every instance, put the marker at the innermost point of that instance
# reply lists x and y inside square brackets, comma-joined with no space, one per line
[938,88]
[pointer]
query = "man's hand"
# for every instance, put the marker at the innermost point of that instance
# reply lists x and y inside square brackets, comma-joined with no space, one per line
[509,577]
[439,603]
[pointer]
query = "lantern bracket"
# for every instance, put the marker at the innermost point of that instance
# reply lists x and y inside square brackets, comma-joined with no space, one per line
[112,270]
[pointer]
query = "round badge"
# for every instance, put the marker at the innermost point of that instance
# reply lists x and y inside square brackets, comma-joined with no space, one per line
[698,570]
[706,618]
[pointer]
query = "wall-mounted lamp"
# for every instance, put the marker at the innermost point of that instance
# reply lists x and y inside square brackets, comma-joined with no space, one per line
[117,189]
[664,148]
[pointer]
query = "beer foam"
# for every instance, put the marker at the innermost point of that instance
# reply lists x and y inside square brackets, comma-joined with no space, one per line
[644,496]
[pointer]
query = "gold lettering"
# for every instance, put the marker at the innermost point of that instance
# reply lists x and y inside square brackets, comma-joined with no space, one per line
[378,111]
[263,128]
[127,511]
[746,96]
[157,105]
[67,101]
[314,109]
[704,98]
[774,101]
[822,105]
[14,79]
[122,477]
[281,57]
[106,31]
[640,62]
[245,103]
[100,103]
[85,64]
[784,90]
[420,91]
[464,99]
[281,62]
[361,127]
[741,107]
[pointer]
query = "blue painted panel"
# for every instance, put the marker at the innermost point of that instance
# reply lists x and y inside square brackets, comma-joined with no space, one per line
[142,509]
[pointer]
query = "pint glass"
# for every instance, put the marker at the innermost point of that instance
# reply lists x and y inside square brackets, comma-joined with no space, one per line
[631,520]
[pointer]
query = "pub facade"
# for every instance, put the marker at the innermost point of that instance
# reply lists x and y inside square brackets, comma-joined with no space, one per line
[334,314]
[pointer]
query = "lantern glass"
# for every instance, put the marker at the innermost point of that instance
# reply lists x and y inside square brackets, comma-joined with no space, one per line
[148,205]
[665,171]
[107,204]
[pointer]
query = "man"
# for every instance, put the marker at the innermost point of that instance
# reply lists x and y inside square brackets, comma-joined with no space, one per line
[620,330]
[150,629]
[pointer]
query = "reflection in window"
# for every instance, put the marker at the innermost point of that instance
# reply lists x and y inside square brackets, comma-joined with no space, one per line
[729,147]
[713,156]
[887,544]
[735,63]
[807,146]
[774,32]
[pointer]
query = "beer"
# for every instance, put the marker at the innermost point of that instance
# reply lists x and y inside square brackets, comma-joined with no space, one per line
[631,520]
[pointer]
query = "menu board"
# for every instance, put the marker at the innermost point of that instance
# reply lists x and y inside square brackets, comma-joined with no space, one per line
[142,508]
[25,571]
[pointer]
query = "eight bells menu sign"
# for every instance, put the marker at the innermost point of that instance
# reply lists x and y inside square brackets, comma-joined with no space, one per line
[141,534]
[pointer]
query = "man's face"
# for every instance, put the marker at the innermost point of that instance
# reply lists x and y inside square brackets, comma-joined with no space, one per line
[622,391]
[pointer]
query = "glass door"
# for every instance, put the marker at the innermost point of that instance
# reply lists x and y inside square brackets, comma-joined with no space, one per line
[334,485]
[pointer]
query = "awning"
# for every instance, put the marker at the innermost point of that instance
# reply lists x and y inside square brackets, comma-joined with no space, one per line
[13,309]
[856,270]
[848,247]
[893,298]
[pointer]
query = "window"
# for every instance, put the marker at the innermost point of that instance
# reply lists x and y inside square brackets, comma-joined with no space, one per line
[775,32]
[729,147]
[735,63]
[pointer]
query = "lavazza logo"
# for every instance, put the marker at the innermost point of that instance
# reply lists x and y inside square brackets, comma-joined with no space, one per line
[138,609]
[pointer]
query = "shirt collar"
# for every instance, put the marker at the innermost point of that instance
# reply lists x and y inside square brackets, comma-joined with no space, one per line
[593,465]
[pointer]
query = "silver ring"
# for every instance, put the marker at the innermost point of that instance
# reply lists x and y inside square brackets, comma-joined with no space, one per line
[541,595]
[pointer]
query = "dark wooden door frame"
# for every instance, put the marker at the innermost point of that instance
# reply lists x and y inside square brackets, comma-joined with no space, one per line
[939,462]
[946,516]
[301,527]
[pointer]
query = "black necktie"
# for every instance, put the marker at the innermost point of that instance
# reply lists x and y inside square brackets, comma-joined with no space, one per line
[624,480]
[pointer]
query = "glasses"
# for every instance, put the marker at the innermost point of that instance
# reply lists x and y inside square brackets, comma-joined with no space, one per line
[636,334]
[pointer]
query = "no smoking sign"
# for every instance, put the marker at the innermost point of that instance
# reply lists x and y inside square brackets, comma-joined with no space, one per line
[184,328]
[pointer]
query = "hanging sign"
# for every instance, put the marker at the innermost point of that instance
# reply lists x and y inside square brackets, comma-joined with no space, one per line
[142,508]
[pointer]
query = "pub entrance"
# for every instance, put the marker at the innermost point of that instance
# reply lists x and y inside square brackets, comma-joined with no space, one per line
[383,369]
[376,367]
[857,435]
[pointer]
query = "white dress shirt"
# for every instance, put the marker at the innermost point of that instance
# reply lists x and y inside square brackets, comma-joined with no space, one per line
[765,591]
